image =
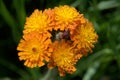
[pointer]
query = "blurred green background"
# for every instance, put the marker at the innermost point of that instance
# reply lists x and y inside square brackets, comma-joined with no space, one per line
[102,64]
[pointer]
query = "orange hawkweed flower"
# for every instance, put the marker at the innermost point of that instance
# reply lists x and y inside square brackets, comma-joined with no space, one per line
[58,37]
[67,17]
[84,37]
[34,49]
[63,57]
[51,16]
[38,21]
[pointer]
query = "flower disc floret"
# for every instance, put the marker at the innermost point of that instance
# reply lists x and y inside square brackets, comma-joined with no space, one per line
[67,17]
[38,21]
[63,57]
[34,49]
[84,37]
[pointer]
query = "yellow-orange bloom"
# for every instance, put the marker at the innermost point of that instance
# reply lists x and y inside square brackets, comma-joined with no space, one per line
[38,21]
[84,37]
[59,37]
[63,57]
[34,49]
[51,16]
[67,17]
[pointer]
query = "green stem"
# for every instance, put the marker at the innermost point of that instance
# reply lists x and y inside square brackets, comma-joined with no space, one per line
[47,76]
[10,21]
[50,75]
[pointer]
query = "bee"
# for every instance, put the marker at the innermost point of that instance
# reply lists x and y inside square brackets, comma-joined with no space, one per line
[63,35]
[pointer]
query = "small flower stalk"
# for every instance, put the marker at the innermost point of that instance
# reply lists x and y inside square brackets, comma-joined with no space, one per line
[58,37]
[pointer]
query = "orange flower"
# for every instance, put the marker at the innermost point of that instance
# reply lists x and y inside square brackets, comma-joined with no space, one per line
[59,36]
[34,49]
[84,37]
[51,16]
[67,17]
[38,21]
[63,57]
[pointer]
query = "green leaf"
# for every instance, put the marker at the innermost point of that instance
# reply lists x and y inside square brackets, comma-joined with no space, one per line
[87,61]
[91,71]
[107,4]
[10,21]
[19,6]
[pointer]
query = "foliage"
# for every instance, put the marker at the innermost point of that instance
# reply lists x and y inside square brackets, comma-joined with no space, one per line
[102,64]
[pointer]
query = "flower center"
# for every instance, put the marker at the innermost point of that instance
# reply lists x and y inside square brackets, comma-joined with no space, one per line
[34,49]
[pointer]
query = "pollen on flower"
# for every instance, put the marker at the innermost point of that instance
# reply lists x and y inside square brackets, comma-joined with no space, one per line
[38,21]
[84,37]
[67,17]
[33,48]
[63,57]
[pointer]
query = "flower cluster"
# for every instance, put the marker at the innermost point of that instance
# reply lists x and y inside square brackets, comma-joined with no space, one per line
[58,37]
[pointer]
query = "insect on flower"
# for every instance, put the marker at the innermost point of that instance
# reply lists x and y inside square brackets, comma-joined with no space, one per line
[63,35]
